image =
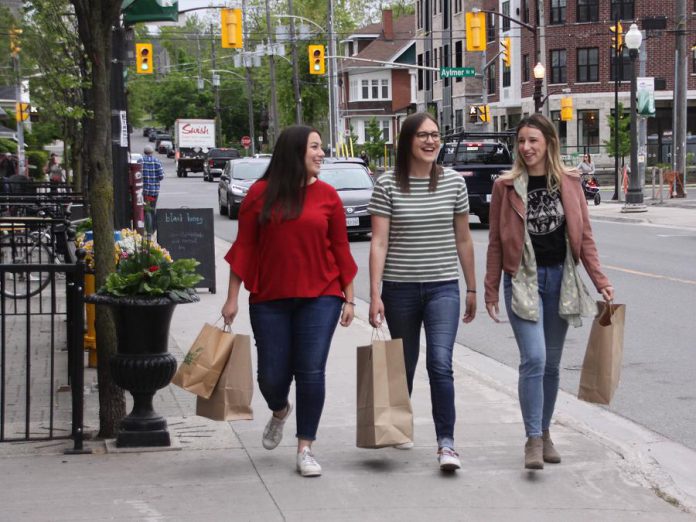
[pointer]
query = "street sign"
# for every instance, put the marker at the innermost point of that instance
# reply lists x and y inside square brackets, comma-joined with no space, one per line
[457,72]
[246,142]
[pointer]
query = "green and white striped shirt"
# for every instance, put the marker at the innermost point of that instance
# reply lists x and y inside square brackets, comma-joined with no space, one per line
[421,233]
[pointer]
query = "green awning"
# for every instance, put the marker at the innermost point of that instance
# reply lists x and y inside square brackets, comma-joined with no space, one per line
[135,11]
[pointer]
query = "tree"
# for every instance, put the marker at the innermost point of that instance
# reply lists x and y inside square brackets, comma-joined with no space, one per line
[624,134]
[95,19]
[374,142]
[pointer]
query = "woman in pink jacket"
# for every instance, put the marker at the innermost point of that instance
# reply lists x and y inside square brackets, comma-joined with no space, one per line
[539,231]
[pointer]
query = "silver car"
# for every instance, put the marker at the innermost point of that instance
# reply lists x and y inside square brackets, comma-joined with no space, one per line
[354,185]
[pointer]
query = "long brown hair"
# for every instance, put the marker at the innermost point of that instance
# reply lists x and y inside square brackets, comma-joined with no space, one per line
[402,165]
[286,175]
[554,164]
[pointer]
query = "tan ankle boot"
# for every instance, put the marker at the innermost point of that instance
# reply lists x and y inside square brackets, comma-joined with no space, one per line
[533,453]
[550,454]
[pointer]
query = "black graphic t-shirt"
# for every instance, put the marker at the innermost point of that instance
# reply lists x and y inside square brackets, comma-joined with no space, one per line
[545,222]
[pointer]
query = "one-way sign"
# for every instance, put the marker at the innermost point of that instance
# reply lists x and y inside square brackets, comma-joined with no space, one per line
[457,72]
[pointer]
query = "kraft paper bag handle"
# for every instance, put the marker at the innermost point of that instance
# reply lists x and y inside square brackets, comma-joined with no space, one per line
[227,328]
[379,334]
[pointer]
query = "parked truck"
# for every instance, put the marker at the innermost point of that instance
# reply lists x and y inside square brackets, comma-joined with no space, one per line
[192,140]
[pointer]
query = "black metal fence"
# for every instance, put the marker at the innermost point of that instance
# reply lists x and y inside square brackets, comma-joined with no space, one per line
[41,331]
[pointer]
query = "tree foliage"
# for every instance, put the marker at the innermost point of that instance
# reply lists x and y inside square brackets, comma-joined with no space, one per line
[624,147]
[374,139]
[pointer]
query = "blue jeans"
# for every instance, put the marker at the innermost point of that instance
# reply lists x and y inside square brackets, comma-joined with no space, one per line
[407,307]
[150,212]
[541,345]
[293,337]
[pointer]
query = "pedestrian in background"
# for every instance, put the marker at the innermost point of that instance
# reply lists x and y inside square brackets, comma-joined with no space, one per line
[586,167]
[365,158]
[420,232]
[293,255]
[539,231]
[55,172]
[153,174]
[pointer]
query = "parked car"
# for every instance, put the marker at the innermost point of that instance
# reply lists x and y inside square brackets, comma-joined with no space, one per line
[152,133]
[171,152]
[146,131]
[215,161]
[134,157]
[162,136]
[165,146]
[235,180]
[354,185]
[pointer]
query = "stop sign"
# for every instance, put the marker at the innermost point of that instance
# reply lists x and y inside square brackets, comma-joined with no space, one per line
[246,142]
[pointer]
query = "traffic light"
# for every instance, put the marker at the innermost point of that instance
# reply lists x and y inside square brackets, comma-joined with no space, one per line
[316,59]
[231,23]
[22,111]
[143,58]
[617,39]
[506,51]
[484,114]
[566,108]
[14,41]
[476,31]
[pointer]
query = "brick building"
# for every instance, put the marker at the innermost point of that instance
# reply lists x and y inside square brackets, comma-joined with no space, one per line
[574,45]
[375,90]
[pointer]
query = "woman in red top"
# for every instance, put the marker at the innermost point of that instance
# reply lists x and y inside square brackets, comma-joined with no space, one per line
[293,255]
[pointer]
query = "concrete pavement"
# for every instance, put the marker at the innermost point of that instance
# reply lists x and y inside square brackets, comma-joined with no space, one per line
[678,213]
[612,469]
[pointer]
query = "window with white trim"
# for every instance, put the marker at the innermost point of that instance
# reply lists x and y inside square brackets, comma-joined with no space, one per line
[370,87]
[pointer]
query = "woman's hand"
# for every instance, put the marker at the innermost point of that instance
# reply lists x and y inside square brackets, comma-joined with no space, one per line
[470,311]
[493,311]
[229,310]
[376,312]
[347,314]
[607,293]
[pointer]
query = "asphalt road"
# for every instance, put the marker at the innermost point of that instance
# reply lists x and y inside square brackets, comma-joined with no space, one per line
[653,270]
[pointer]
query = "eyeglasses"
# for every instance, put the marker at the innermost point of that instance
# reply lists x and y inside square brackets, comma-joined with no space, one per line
[423,136]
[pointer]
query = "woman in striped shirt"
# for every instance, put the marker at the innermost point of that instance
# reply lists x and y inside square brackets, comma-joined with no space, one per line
[420,233]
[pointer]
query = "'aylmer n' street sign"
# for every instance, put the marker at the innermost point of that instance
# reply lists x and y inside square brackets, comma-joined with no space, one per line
[457,72]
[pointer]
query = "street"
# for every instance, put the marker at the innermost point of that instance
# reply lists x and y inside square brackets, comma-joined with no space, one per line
[653,269]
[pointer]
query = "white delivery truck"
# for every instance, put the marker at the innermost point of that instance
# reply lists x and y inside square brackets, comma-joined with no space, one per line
[192,139]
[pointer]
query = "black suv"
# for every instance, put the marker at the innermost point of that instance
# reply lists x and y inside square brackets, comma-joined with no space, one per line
[479,157]
[215,161]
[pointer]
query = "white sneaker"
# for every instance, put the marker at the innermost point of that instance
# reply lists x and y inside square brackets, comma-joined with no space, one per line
[404,445]
[448,459]
[273,432]
[307,464]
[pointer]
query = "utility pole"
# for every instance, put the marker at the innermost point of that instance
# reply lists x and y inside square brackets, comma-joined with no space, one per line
[216,89]
[20,124]
[295,76]
[680,87]
[275,127]
[247,69]
[333,73]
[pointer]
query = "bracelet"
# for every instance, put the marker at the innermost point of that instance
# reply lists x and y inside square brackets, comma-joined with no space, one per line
[349,302]
[470,291]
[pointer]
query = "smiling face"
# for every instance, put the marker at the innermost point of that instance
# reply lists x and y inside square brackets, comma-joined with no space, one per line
[531,146]
[424,147]
[314,155]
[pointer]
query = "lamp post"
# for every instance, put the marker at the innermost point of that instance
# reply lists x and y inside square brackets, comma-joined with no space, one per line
[634,196]
[539,73]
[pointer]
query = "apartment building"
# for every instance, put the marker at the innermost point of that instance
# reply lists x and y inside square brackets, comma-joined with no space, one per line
[574,44]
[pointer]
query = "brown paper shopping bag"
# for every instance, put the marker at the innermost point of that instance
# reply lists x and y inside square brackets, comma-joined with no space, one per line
[231,399]
[201,368]
[601,368]
[385,417]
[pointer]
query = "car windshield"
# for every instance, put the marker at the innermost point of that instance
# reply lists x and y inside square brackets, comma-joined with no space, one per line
[490,153]
[249,170]
[346,178]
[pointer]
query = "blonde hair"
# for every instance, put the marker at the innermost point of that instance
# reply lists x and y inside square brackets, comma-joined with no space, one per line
[554,164]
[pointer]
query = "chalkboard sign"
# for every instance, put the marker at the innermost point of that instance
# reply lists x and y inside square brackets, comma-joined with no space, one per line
[188,232]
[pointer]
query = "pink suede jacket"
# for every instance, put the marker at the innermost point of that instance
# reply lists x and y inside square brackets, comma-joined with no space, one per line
[506,235]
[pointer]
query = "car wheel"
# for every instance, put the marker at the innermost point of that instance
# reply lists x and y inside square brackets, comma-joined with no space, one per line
[185,174]
[223,208]
[597,199]
[230,210]
[178,173]
[483,219]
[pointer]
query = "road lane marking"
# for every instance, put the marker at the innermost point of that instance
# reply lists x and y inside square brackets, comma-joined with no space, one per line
[648,274]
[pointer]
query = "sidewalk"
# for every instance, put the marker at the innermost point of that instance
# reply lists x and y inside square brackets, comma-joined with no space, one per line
[677,213]
[612,469]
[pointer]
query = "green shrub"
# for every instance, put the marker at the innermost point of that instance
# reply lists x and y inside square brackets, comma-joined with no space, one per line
[7,145]
[37,160]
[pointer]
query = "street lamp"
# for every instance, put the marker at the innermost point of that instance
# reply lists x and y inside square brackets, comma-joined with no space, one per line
[634,196]
[539,73]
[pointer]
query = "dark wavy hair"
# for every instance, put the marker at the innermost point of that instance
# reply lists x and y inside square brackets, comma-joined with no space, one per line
[286,175]
[402,165]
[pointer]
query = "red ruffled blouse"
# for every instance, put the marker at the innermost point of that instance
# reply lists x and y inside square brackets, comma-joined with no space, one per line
[304,257]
